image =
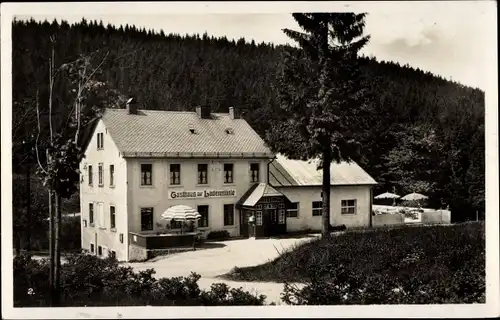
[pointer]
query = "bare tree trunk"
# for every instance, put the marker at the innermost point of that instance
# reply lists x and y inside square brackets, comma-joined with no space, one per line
[325,232]
[51,247]
[17,243]
[57,247]
[28,207]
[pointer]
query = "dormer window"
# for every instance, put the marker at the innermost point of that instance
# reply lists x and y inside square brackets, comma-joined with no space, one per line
[192,129]
[229,131]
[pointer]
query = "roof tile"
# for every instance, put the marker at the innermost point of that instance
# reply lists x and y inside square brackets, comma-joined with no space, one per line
[288,172]
[161,132]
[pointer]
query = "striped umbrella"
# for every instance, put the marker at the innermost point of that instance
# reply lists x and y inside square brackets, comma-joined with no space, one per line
[180,213]
[414,197]
[388,195]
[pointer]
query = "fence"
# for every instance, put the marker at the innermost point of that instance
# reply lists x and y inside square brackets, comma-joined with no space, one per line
[388,219]
[436,217]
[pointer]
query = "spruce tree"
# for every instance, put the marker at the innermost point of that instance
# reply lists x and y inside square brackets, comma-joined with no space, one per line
[321,97]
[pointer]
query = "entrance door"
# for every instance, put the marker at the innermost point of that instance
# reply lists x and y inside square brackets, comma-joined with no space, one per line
[273,222]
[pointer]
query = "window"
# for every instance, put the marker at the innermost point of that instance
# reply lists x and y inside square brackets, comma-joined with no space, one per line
[112,220]
[91,181]
[111,175]
[113,254]
[203,211]
[348,207]
[101,178]
[91,213]
[175,174]
[317,209]
[92,248]
[100,141]
[146,219]
[202,173]
[281,216]
[293,210]
[100,214]
[229,214]
[258,218]
[99,250]
[228,173]
[146,174]
[254,172]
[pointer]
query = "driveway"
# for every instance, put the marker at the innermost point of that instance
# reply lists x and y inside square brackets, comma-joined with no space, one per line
[219,258]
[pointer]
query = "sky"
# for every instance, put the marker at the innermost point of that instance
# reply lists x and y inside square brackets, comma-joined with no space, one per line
[449,38]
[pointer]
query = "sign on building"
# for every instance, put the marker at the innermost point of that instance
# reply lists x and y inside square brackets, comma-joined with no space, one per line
[179,195]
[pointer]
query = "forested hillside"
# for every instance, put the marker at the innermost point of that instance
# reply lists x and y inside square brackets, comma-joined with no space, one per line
[427,133]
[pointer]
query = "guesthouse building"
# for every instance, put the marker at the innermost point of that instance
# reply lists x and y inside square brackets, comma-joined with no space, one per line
[138,163]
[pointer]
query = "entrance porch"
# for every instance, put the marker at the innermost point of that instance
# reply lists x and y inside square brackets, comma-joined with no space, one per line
[263,212]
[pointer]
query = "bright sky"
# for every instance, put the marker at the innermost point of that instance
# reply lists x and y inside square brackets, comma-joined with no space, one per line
[449,38]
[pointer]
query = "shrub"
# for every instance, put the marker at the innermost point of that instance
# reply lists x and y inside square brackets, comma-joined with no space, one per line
[218,235]
[438,264]
[87,280]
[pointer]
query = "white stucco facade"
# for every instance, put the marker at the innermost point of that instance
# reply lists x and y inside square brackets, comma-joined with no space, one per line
[158,195]
[102,197]
[306,195]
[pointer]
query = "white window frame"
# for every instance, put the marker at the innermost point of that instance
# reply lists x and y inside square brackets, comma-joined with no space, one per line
[208,215]
[224,173]
[100,141]
[258,218]
[111,175]
[224,213]
[90,175]
[320,209]
[198,181]
[281,216]
[171,182]
[101,217]
[252,172]
[140,174]
[114,214]
[345,207]
[292,210]
[92,222]
[152,217]
[100,174]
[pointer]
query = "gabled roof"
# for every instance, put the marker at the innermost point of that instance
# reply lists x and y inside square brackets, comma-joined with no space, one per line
[151,133]
[284,172]
[255,193]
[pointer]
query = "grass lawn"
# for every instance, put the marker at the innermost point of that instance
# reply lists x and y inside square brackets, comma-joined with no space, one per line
[449,257]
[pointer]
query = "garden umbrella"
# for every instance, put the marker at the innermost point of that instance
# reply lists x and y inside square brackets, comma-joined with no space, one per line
[388,195]
[414,197]
[180,213]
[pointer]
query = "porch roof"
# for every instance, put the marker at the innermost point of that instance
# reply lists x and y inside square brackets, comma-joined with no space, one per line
[255,193]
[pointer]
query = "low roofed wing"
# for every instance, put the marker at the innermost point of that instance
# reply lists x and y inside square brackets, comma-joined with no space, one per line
[287,172]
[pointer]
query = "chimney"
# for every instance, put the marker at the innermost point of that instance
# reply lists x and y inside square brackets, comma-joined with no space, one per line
[203,112]
[234,113]
[132,106]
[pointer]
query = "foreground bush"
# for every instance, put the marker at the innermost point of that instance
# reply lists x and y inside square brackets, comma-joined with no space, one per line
[218,235]
[439,264]
[91,281]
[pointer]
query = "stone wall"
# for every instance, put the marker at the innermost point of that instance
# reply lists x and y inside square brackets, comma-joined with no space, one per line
[136,253]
